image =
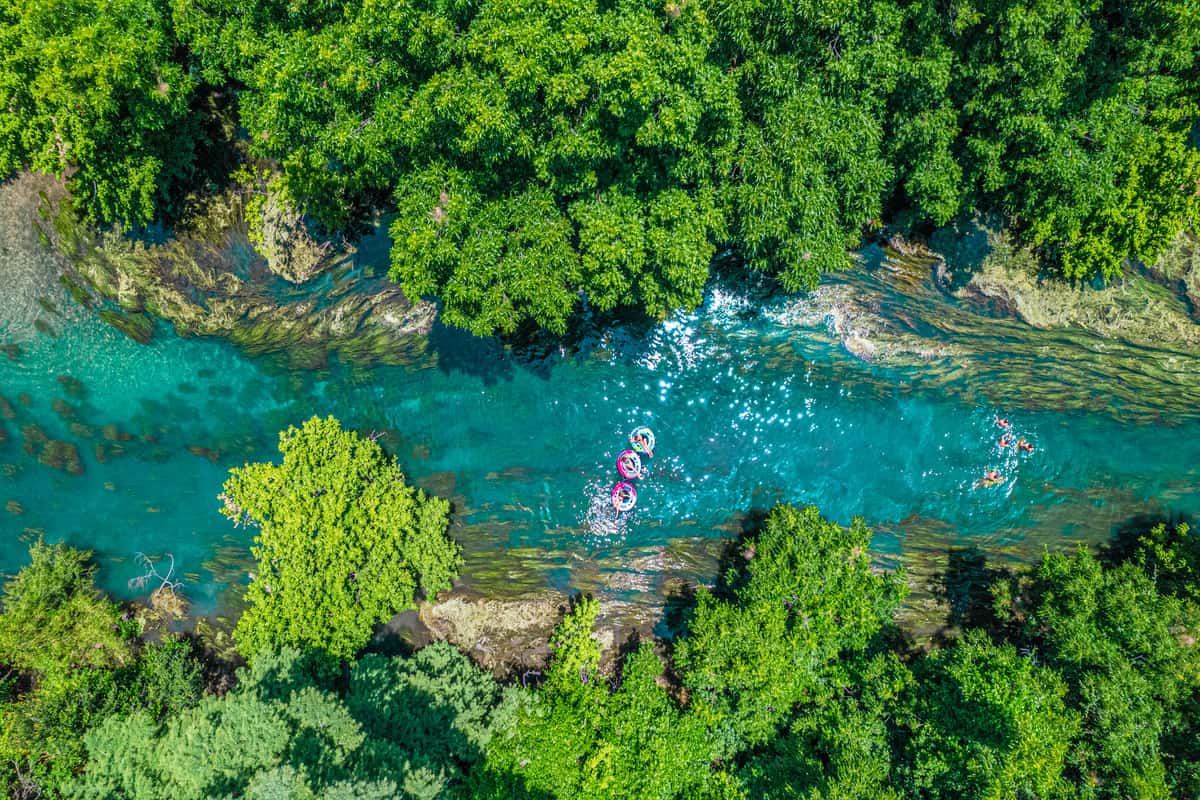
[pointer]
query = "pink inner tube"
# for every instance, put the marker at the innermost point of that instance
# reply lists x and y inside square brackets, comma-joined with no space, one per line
[633,458]
[624,496]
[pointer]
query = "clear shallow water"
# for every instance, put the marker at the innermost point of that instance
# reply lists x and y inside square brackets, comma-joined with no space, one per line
[748,409]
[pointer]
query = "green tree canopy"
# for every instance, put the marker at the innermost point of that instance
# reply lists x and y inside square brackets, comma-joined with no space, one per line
[1127,649]
[55,619]
[93,90]
[576,738]
[342,544]
[988,723]
[406,728]
[805,597]
[77,662]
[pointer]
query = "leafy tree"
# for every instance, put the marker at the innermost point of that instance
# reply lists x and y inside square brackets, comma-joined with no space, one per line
[431,715]
[1128,653]
[811,167]
[988,723]
[343,542]
[1051,115]
[805,597]
[1171,559]
[278,734]
[55,619]
[575,738]
[41,740]
[92,90]
[78,663]
[841,748]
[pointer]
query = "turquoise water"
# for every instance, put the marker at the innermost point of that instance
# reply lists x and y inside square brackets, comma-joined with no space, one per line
[749,409]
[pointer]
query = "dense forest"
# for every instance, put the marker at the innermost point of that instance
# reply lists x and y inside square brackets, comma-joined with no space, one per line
[534,156]
[1078,677]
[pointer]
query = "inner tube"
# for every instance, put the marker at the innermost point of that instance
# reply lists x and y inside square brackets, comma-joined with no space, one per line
[639,433]
[629,464]
[624,496]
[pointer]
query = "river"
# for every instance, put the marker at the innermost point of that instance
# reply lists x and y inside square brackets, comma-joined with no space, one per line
[753,397]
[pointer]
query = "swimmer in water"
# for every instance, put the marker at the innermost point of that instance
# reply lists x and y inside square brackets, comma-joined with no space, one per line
[990,478]
[631,467]
[1003,423]
[621,498]
[1005,442]
[1024,445]
[643,443]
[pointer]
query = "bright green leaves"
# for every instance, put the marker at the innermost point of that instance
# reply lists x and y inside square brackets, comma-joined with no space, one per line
[575,738]
[988,723]
[805,597]
[74,661]
[494,263]
[584,143]
[92,90]
[812,177]
[343,543]
[1069,118]
[1127,648]
[55,619]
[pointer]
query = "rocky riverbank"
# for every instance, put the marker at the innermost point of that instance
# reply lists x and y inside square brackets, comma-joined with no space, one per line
[206,279]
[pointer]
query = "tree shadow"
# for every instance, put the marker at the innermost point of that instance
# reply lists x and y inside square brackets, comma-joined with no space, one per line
[459,351]
[965,586]
[737,552]
[964,245]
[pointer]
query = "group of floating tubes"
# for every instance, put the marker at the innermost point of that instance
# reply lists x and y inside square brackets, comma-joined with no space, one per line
[629,466]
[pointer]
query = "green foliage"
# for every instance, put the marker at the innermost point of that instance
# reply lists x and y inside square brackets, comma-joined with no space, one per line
[988,723]
[575,738]
[343,542]
[1128,652]
[565,151]
[40,734]
[805,597]
[837,749]
[539,157]
[55,619]
[92,90]
[1090,689]
[1061,122]
[430,714]
[405,728]
[277,734]
[1171,559]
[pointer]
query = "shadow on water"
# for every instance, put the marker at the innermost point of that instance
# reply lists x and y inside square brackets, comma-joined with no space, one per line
[965,587]
[460,352]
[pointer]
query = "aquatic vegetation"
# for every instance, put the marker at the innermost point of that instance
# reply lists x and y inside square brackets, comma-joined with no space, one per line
[61,455]
[65,410]
[73,387]
[137,326]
